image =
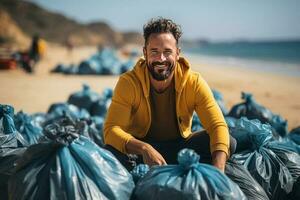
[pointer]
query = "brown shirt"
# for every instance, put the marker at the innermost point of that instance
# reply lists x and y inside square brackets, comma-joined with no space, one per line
[164,125]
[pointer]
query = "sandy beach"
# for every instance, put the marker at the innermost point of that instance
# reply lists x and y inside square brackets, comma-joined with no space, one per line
[35,93]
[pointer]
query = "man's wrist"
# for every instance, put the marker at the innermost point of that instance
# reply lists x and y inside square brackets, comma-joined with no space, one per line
[219,159]
[136,146]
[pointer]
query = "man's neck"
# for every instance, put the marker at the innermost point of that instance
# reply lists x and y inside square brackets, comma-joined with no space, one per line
[161,86]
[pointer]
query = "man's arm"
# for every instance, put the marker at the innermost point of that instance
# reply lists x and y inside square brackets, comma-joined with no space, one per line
[213,121]
[219,160]
[119,114]
[118,117]
[150,155]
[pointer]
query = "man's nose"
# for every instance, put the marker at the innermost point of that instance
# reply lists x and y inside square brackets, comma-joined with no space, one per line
[162,57]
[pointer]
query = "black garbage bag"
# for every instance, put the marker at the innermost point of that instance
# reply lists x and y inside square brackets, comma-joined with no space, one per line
[98,121]
[60,109]
[91,127]
[84,99]
[90,66]
[263,163]
[67,165]
[241,176]
[60,68]
[295,193]
[139,172]
[188,180]
[95,135]
[219,99]
[90,130]
[6,117]
[100,107]
[29,132]
[65,69]
[253,110]
[12,147]
[295,135]
[242,130]
[9,136]
[291,160]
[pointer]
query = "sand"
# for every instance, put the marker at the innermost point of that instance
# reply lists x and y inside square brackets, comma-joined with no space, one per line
[35,93]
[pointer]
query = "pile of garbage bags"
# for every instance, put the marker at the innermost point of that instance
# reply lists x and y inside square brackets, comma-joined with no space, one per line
[60,155]
[104,62]
[266,164]
[251,110]
[265,159]
[12,147]
[26,151]
[241,176]
[66,165]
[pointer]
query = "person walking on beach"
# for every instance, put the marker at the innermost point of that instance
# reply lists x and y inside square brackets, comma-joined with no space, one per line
[153,104]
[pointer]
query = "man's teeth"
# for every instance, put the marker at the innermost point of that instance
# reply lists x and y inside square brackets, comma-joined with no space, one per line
[160,66]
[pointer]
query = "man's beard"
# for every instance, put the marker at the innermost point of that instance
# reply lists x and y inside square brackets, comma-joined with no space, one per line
[162,74]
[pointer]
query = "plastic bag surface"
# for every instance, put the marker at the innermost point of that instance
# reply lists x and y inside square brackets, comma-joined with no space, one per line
[188,180]
[67,165]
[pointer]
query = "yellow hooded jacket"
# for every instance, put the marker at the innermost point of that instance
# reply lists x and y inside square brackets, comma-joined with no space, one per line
[129,114]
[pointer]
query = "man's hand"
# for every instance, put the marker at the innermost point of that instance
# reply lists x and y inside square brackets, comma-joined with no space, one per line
[150,155]
[219,160]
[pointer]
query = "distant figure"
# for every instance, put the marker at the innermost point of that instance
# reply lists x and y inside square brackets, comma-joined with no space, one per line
[29,59]
[37,49]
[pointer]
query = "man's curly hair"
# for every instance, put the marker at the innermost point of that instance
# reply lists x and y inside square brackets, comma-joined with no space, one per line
[162,25]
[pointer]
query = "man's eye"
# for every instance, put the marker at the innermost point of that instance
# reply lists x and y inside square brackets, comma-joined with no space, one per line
[167,53]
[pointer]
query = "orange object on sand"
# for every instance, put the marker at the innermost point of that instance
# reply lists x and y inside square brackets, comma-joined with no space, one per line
[7,63]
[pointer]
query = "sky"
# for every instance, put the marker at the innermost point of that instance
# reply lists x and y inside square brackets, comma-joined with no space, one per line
[215,20]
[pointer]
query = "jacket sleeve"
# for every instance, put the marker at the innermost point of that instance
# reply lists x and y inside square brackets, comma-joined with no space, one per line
[118,115]
[211,117]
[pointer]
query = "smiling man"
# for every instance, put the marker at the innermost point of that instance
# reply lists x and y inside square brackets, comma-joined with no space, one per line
[152,107]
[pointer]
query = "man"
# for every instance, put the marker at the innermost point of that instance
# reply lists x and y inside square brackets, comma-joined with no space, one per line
[152,106]
[37,49]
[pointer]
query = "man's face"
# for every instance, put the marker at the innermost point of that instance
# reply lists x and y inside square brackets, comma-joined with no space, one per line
[161,54]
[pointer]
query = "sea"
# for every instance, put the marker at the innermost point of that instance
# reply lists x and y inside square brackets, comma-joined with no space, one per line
[279,57]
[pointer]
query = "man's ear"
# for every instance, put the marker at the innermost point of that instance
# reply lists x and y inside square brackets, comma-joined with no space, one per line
[178,51]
